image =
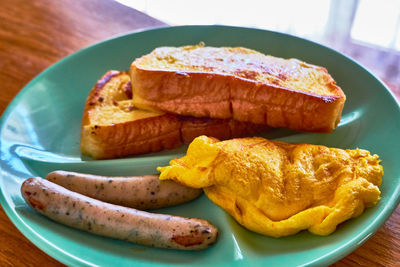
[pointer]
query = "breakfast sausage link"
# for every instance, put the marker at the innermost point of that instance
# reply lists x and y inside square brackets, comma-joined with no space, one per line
[97,217]
[141,192]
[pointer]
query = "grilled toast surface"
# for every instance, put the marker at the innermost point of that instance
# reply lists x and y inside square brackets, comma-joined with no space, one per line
[113,127]
[238,83]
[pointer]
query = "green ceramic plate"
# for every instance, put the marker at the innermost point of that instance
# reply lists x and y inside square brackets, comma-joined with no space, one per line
[40,133]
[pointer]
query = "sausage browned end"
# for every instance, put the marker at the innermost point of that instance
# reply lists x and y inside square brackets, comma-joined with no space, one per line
[139,192]
[81,212]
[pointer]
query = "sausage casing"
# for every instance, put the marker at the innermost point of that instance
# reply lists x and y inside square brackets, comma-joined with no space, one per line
[141,192]
[105,219]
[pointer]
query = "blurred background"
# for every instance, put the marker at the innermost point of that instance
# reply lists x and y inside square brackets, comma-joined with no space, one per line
[366,30]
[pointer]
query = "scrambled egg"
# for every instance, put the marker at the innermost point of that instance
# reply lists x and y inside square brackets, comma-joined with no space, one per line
[276,188]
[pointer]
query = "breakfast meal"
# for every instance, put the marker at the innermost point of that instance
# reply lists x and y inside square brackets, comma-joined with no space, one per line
[238,83]
[141,192]
[82,212]
[113,127]
[201,95]
[276,188]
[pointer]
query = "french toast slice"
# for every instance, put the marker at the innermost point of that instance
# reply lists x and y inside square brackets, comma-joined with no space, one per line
[238,83]
[113,127]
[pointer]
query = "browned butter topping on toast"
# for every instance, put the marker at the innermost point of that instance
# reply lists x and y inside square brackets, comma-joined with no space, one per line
[238,83]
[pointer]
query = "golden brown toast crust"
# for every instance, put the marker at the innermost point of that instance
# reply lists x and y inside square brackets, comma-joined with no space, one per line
[154,133]
[262,94]
[119,139]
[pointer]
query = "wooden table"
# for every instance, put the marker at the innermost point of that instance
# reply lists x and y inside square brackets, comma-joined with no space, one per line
[35,34]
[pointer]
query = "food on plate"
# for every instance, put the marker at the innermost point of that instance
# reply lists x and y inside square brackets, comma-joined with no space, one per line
[140,192]
[97,217]
[276,188]
[238,83]
[113,127]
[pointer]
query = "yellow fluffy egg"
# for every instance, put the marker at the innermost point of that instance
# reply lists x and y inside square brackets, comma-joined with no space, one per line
[278,189]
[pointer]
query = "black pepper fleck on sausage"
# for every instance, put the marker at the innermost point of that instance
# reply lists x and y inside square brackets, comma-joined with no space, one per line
[141,192]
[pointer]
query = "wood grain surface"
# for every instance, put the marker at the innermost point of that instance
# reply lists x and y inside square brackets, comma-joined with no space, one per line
[36,34]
